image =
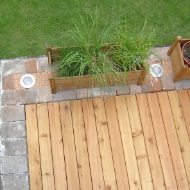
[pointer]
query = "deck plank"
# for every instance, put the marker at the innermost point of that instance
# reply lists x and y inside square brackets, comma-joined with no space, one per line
[116,144]
[57,146]
[173,142]
[93,145]
[45,147]
[33,148]
[185,105]
[139,143]
[162,143]
[127,140]
[150,140]
[181,130]
[81,146]
[104,143]
[69,146]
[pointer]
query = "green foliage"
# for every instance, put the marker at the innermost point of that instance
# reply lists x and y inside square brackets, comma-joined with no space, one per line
[93,57]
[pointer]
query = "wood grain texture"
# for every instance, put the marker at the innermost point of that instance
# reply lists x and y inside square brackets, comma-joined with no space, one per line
[139,142]
[173,143]
[81,146]
[93,145]
[104,143]
[127,140]
[116,144]
[69,146]
[57,146]
[181,130]
[162,142]
[151,144]
[45,147]
[33,148]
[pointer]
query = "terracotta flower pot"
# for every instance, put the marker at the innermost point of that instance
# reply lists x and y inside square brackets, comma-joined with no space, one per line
[186,53]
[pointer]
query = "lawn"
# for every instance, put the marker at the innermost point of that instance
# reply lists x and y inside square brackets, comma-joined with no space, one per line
[27,27]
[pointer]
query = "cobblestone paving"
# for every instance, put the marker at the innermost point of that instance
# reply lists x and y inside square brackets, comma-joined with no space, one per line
[13,148]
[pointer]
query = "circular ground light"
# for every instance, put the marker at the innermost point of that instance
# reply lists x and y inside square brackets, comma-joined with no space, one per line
[156,70]
[27,81]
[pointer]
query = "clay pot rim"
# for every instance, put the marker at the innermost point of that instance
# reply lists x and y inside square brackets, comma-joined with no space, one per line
[185,60]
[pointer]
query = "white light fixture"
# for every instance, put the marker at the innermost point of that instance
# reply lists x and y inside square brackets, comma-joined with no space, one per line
[156,70]
[27,81]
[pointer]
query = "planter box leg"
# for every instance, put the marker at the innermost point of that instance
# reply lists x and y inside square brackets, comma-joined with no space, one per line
[141,79]
[52,85]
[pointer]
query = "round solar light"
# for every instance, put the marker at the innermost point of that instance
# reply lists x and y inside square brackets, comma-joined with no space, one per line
[27,81]
[156,70]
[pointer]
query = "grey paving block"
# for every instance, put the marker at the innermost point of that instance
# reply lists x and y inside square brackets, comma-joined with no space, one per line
[15,146]
[14,164]
[43,65]
[135,89]
[13,129]
[13,66]
[182,84]
[103,91]
[167,83]
[13,113]
[9,97]
[44,94]
[64,95]
[15,182]
[123,90]
[28,96]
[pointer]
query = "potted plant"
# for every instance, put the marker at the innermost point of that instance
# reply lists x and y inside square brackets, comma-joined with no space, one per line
[179,53]
[96,63]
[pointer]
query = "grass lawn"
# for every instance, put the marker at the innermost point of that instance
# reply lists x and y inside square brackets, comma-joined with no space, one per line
[26,27]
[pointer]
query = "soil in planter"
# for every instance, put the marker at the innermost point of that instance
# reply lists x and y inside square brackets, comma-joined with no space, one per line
[186,52]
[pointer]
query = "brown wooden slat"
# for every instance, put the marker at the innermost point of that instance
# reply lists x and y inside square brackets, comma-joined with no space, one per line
[127,140]
[45,147]
[104,143]
[81,146]
[173,142]
[117,151]
[185,105]
[139,143]
[69,146]
[93,145]
[57,146]
[162,143]
[181,130]
[33,148]
[152,150]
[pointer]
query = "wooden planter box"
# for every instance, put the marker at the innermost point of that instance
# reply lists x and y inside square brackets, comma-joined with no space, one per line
[181,70]
[66,83]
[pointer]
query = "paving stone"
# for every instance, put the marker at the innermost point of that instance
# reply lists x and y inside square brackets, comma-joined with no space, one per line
[15,182]
[182,84]
[135,89]
[84,93]
[28,96]
[156,57]
[14,164]
[163,53]
[157,84]
[30,66]
[13,67]
[7,82]
[44,94]
[13,129]
[121,90]
[43,65]
[147,88]
[9,97]
[64,95]
[14,146]
[13,113]
[167,83]
[167,67]
[101,92]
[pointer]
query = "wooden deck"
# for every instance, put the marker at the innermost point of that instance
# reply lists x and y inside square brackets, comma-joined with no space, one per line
[122,142]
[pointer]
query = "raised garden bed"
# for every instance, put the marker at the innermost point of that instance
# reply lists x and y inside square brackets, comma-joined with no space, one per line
[86,81]
[181,70]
